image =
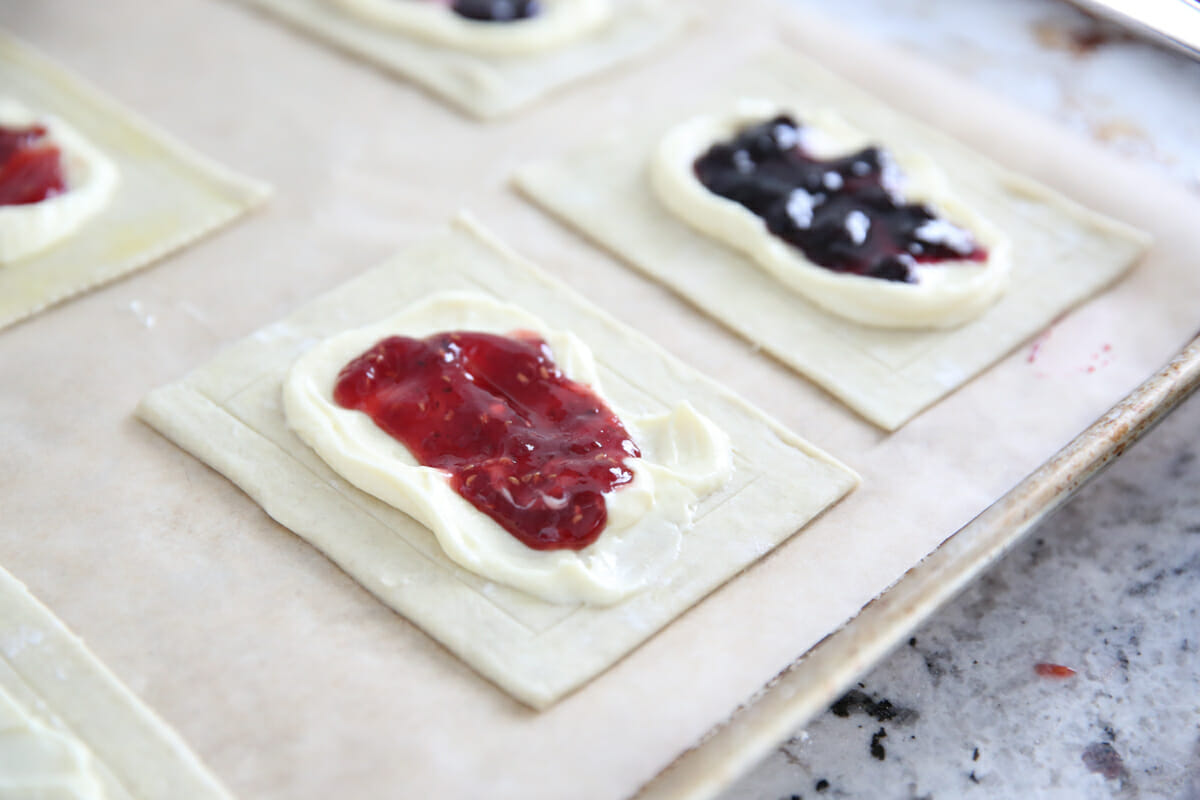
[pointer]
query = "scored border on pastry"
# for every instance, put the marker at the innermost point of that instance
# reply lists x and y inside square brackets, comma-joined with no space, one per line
[167,196]
[479,85]
[228,413]
[1062,253]
[59,693]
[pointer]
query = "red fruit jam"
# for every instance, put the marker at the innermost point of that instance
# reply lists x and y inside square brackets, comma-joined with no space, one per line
[30,167]
[523,443]
[840,212]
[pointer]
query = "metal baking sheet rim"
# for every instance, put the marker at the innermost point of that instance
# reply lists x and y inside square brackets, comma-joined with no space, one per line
[811,683]
[1172,22]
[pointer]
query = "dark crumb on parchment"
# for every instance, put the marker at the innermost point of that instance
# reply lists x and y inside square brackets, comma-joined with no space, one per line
[877,749]
[822,785]
[972,777]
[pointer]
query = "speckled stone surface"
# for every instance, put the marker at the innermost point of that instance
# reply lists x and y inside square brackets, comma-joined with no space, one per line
[1109,586]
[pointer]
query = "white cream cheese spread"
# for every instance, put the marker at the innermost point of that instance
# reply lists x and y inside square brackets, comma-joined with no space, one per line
[942,295]
[684,457]
[558,23]
[90,179]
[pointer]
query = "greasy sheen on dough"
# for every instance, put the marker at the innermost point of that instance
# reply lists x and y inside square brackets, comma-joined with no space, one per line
[684,457]
[559,23]
[90,175]
[945,294]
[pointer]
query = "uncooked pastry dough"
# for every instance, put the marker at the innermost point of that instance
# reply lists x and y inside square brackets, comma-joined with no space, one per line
[37,761]
[559,23]
[483,85]
[684,458]
[90,178]
[167,198]
[944,295]
[1061,253]
[69,730]
[229,414]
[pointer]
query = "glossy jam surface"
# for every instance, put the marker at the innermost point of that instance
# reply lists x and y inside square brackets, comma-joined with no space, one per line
[495,10]
[30,166]
[842,213]
[523,443]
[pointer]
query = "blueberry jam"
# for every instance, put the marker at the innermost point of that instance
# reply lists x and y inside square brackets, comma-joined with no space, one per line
[30,167]
[842,213]
[495,10]
[523,443]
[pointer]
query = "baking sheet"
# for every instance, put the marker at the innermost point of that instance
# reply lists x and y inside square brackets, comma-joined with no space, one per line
[287,678]
[1173,22]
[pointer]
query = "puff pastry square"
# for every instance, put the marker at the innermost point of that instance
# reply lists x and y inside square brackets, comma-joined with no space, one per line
[166,198]
[53,687]
[486,86]
[1062,252]
[228,413]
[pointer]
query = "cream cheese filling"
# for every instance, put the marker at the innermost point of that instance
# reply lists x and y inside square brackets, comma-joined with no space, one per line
[558,23]
[684,458]
[943,295]
[38,761]
[90,177]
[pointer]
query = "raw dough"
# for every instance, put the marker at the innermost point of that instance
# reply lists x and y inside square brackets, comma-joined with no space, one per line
[229,414]
[70,730]
[684,458]
[39,761]
[1061,253]
[488,86]
[558,24]
[90,177]
[168,196]
[944,295]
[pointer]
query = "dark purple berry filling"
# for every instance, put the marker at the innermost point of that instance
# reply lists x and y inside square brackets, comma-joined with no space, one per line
[496,10]
[842,213]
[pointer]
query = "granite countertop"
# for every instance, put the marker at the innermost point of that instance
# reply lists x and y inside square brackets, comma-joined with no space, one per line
[1104,594]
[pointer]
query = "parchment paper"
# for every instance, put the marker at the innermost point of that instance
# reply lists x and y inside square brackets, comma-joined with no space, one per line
[288,679]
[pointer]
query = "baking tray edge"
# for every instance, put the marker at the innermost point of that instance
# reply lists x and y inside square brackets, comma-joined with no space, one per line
[808,685]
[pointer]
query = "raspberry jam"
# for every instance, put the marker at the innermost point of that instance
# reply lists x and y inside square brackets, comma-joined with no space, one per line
[523,443]
[30,167]
[842,213]
[495,10]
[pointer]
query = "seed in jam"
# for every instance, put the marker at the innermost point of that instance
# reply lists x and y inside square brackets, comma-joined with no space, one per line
[523,443]
[496,10]
[842,213]
[30,166]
